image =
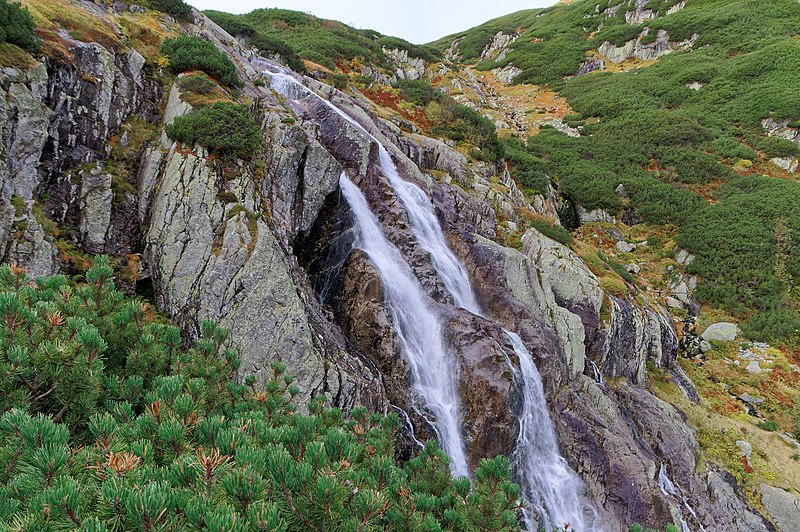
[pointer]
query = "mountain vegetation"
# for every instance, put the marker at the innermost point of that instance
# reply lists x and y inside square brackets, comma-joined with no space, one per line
[108,423]
[654,143]
[326,42]
[16,27]
[680,134]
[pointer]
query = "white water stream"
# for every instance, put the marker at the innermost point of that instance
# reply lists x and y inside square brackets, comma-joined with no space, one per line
[551,488]
[669,488]
[418,330]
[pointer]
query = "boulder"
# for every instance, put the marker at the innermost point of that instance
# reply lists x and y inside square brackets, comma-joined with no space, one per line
[625,247]
[721,332]
[783,506]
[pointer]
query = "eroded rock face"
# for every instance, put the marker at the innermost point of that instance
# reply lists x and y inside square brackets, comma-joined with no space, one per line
[95,209]
[213,259]
[639,49]
[485,384]
[406,67]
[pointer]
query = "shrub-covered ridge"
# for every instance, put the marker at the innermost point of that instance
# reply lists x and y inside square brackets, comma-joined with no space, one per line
[109,424]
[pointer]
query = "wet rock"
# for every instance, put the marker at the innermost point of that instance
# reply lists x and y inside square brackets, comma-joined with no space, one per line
[485,384]
[601,446]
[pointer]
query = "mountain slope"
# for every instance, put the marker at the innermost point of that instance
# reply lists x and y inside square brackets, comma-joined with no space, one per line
[107,147]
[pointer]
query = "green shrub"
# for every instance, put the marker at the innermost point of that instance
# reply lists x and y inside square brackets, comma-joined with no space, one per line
[419,91]
[109,424]
[773,325]
[770,425]
[339,81]
[326,42]
[193,53]
[778,147]
[460,123]
[198,83]
[225,128]
[745,251]
[556,232]
[177,8]
[17,27]
[731,148]
[236,26]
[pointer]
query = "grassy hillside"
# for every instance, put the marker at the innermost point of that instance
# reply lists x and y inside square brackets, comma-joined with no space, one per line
[326,42]
[683,134]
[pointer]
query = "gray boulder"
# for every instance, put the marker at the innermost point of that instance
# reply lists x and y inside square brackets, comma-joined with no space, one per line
[721,332]
[783,506]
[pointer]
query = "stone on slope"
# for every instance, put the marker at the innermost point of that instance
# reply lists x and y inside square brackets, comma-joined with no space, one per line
[783,506]
[721,332]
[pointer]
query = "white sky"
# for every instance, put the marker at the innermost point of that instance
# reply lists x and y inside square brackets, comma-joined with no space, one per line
[418,21]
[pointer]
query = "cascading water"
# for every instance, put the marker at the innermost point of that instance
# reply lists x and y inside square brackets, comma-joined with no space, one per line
[598,375]
[551,488]
[418,330]
[669,488]
[430,237]
[424,223]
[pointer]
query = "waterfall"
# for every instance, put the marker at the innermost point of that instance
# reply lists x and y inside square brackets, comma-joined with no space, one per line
[424,224]
[417,328]
[598,375]
[669,488]
[551,488]
[430,236]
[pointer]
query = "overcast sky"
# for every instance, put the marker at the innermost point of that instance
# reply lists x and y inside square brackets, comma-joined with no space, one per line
[418,21]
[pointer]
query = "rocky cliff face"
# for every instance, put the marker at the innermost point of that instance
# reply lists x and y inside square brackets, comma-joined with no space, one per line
[264,247]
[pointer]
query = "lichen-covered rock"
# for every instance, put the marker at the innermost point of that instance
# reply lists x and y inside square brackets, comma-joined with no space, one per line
[95,209]
[566,275]
[33,249]
[497,46]
[507,73]
[722,490]
[721,332]
[406,66]
[649,51]
[783,506]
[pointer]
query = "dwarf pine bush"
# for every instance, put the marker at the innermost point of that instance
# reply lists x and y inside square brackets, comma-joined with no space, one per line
[17,27]
[108,423]
[188,52]
[225,128]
